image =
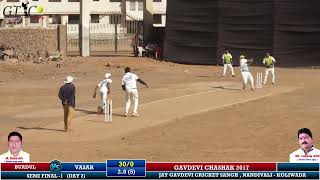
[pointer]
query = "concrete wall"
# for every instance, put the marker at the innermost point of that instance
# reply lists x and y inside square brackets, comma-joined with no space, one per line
[33,41]
[136,12]
[62,39]
[163,21]
[160,7]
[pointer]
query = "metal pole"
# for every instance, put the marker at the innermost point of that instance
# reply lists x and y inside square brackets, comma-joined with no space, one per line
[116,36]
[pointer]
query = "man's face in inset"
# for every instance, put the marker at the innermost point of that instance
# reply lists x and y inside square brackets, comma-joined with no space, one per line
[305,140]
[15,144]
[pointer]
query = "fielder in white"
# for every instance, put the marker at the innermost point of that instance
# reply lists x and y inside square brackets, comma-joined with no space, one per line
[269,62]
[245,72]
[105,91]
[227,63]
[129,84]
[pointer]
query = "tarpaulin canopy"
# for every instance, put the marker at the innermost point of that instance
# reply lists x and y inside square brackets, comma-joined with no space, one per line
[199,31]
[191,31]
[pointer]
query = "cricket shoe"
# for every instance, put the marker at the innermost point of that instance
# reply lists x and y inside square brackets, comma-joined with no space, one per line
[135,115]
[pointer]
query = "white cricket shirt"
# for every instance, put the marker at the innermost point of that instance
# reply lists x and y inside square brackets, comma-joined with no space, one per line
[103,85]
[299,156]
[22,157]
[130,80]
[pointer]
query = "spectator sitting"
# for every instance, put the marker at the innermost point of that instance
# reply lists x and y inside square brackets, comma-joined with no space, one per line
[150,49]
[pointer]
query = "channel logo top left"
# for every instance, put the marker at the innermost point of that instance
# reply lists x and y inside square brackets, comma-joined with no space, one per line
[26,7]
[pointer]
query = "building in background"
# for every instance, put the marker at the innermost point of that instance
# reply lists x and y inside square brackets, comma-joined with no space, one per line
[113,26]
[159,13]
[67,12]
[154,19]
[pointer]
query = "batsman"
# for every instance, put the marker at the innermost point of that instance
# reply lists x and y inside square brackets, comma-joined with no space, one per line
[105,91]
[245,73]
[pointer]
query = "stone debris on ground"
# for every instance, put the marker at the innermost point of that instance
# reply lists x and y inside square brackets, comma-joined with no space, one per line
[40,57]
[109,64]
[55,57]
[13,60]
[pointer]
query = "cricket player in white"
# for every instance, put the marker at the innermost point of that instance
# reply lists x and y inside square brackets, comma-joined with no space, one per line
[129,84]
[15,153]
[245,72]
[269,62]
[104,92]
[227,63]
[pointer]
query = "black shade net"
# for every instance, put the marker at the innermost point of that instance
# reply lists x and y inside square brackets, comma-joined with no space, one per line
[199,31]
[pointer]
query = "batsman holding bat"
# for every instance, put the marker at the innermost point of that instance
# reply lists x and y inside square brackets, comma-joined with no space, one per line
[244,63]
[105,90]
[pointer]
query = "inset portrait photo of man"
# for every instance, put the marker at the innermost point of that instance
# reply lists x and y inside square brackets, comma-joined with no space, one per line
[307,153]
[15,153]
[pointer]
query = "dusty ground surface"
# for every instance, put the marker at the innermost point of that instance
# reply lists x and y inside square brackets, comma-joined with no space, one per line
[189,113]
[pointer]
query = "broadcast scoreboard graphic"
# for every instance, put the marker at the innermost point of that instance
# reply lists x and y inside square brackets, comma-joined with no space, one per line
[112,169]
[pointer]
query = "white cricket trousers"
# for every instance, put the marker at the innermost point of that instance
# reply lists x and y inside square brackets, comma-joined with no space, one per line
[245,76]
[267,73]
[225,67]
[134,94]
[103,99]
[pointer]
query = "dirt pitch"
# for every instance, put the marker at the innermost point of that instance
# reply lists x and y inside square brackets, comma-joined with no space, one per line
[189,113]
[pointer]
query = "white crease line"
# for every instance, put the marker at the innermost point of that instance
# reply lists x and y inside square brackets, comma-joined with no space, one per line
[222,106]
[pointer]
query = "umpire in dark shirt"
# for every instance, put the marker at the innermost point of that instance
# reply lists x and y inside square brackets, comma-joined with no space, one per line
[67,94]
